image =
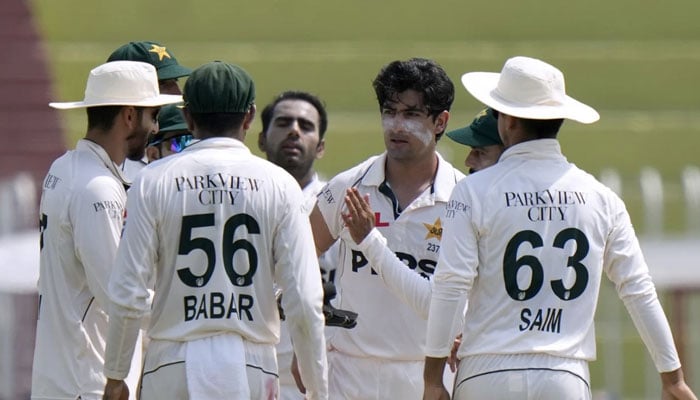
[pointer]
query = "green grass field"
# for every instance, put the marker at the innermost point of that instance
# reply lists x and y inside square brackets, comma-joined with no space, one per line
[637,62]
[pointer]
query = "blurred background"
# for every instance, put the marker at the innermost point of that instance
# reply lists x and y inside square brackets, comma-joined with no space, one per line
[637,62]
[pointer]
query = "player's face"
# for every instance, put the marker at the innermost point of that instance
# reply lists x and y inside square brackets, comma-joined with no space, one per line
[169,86]
[409,131]
[136,141]
[292,139]
[482,157]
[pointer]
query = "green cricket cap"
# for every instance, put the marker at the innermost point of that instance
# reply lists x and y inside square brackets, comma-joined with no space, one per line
[153,53]
[219,87]
[482,132]
[170,119]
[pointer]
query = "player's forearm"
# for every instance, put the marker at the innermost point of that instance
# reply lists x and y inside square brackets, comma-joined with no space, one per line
[651,323]
[404,283]
[433,371]
[310,349]
[444,322]
[302,302]
[121,339]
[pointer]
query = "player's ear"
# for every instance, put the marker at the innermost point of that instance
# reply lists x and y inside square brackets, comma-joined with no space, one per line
[152,153]
[249,117]
[441,121]
[129,116]
[320,148]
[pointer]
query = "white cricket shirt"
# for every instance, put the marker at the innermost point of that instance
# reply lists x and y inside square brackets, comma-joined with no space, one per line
[218,226]
[527,240]
[327,262]
[387,327]
[82,211]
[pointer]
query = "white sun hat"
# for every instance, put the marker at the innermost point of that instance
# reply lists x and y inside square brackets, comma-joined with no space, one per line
[122,83]
[528,88]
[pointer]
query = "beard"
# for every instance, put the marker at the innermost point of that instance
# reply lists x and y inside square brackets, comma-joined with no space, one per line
[136,144]
[296,166]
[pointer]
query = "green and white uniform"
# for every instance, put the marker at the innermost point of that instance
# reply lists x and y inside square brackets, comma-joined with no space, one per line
[82,216]
[217,227]
[382,357]
[527,241]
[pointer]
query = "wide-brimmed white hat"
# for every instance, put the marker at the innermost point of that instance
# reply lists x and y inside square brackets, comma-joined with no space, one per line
[122,83]
[528,88]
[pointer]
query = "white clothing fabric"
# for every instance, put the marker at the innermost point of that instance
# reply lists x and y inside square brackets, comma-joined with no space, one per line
[413,234]
[358,378]
[218,227]
[327,262]
[413,289]
[82,214]
[522,376]
[527,241]
[228,379]
[131,168]
[514,377]
[165,371]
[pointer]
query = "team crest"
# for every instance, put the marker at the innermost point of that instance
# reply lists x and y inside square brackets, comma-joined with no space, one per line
[160,50]
[434,230]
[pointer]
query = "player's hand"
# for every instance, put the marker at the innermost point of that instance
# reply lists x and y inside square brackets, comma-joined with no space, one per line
[116,390]
[452,360]
[674,386]
[294,368]
[360,217]
[435,393]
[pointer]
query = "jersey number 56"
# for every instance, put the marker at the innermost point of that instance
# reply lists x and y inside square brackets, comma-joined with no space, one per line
[228,248]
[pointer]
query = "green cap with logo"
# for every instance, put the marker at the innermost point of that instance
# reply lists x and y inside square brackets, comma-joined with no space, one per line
[154,54]
[170,119]
[482,132]
[219,87]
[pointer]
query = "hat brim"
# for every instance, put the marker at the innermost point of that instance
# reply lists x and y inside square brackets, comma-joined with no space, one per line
[482,85]
[468,137]
[160,100]
[173,71]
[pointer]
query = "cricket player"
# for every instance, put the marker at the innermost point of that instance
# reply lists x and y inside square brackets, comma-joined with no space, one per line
[172,136]
[486,147]
[293,129]
[408,186]
[169,71]
[526,242]
[82,216]
[217,227]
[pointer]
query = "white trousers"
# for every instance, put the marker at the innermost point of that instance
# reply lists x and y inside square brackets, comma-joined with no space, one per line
[164,372]
[356,378]
[522,377]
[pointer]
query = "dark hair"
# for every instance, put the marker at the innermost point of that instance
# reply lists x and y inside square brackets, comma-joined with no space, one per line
[422,75]
[542,128]
[102,117]
[217,124]
[269,109]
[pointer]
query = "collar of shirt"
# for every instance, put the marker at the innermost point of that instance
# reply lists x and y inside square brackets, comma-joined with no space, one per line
[217,142]
[445,178]
[314,186]
[534,149]
[97,150]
